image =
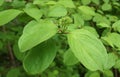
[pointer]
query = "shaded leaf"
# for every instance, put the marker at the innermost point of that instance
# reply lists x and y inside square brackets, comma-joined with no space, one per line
[116,26]
[1,45]
[20,56]
[1,2]
[106,1]
[40,57]
[117,64]
[14,72]
[69,58]
[92,74]
[111,61]
[96,1]
[85,2]
[108,73]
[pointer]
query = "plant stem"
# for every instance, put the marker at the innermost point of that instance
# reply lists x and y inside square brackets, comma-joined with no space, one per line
[10,52]
[12,59]
[115,73]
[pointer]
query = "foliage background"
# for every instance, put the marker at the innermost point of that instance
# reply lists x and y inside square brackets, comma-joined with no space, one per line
[100,17]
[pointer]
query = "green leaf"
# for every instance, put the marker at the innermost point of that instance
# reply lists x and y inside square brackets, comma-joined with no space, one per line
[87,10]
[88,49]
[106,7]
[112,39]
[67,3]
[35,33]
[40,57]
[51,2]
[11,14]
[106,31]
[92,30]
[106,1]
[18,3]
[108,73]
[78,20]
[103,25]
[117,64]
[116,26]
[98,18]
[57,11]
[72,27]
[96,1]
[34,13]
[111,61]
[112,18]
[14,72]
[1,2]
[69,58]
[107,41]
[92,74]
[86,17]
[30,5]
[86,2]
[20,56]
[40,2]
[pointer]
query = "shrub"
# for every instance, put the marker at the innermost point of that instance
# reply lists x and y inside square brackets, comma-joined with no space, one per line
[59,38]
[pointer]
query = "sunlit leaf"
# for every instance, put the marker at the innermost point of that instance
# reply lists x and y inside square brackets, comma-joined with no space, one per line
[87,10]
[88,49]
[106,7]
[57,11]
[35,33]
[103,25]
[78,20]
[92,30]
[11,14]
[34,12]
[112,39]
[98,18]
[67,3]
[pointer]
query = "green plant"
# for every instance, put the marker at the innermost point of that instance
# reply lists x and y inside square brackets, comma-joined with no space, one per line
[72,33]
